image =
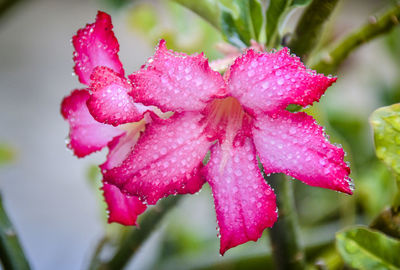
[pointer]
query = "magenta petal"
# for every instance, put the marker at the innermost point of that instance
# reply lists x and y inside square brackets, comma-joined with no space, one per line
[122,208]
[292,143]
[245,204]
[120,147]
[86,134]
[110,102]
[96,45]
[176,82]
[166,159]
[270,81]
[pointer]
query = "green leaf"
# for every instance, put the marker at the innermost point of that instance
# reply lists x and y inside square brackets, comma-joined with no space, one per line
[276,12]
[241,20]
[229,29]
[386,124]
[11,252]
[118,4]
[301,2]
[363,248]
[307,33]
[257,18]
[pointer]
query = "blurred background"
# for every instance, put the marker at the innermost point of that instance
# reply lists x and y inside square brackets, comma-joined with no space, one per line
[49,193]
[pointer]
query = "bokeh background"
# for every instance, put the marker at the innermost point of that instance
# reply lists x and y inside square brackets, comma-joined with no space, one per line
[48,192]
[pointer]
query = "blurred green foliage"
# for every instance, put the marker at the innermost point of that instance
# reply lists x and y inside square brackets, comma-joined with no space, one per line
[386,124]
[363,248]
[277,11]
[173,23]
[7,154]
[241,21]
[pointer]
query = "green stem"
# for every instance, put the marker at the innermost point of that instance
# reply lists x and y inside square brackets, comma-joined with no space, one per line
[287,252]
[206,9]
[309,28]
[11,253]
[333,57]
[136,237]
[95,261]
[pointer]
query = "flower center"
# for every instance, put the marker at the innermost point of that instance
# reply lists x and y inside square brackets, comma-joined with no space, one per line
[225,119]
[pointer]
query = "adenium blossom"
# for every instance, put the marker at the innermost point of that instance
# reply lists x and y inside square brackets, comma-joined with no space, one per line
[239,117]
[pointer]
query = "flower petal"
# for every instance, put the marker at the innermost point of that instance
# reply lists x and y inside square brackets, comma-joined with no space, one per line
[176,81]
[96,45]
[86,134]
[122,208]
[120,147]
[110,102]
[166,159]
[245,204]
[292,143]
[270,81]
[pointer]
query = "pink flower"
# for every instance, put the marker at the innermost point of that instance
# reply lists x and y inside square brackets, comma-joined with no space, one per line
[238,117]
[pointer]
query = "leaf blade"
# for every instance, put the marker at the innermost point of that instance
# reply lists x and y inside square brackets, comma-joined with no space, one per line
[363,248]
[386,125]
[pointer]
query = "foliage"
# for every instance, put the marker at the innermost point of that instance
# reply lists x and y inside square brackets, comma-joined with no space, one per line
[363,248]
[7,153]
[386,124]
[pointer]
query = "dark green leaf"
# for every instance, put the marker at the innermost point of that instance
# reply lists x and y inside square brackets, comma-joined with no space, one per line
[229,29]
[310,26]
[363,248]
[11,253]
[117,4]
[275,12]
[301,2]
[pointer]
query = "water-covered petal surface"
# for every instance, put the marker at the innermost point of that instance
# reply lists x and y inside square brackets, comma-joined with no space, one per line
[292,143]
[165,160]
[176,81]
[122,208]
[270,81]
[121,146]
[110,102]
[245,204]
[96,45]
[86,134]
